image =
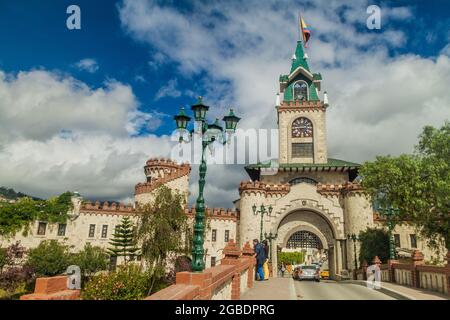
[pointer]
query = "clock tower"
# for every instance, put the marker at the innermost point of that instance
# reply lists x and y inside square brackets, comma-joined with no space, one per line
[301,114]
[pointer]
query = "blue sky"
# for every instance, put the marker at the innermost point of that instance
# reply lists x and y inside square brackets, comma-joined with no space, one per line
[95,103]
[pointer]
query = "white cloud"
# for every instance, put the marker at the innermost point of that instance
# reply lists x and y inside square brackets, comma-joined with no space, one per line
[168,90]
[379,103]
[89,65]
[58,134]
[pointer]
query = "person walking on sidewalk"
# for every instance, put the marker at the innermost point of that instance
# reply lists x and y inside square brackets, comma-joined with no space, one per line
[266,261]
[260,258]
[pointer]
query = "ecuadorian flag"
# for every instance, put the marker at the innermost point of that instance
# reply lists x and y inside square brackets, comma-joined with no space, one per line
[306,32]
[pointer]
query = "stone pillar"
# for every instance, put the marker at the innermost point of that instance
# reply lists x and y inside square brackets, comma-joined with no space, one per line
[364,270]
[232,254]
[338,256]
[416,260]
[249,253]
[391,270]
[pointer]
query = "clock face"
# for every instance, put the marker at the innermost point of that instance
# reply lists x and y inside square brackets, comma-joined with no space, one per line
[302,127]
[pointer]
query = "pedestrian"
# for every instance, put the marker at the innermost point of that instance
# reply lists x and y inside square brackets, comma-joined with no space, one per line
[283,269]
[266,261]
[260,258]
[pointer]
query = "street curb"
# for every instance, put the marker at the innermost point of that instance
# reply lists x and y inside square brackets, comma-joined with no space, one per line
[392,293]
[293,293]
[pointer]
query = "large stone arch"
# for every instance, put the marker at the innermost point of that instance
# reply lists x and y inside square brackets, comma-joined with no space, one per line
[309,219]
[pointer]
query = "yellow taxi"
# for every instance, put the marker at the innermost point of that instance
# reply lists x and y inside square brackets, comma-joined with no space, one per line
[325,274]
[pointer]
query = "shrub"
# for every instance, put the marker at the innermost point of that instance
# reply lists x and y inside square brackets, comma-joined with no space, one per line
[91,260]
[50,258]
[127,283]
[15,277]
[374,242]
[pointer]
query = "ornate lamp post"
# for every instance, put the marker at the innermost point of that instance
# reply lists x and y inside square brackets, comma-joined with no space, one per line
[389,212]
[270,237]
[354,238]
[262,210]
[209,133]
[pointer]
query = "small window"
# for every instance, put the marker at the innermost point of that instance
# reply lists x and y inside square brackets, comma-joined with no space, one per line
[302,150]
[213,261]
[413,239]
[62,229]
[397,240]
[104,231]
[214,235]
[227,235]
[41,228]
[91,230]
[300,90]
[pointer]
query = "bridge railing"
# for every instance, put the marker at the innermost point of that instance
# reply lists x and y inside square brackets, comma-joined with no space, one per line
[226,281]
[413,273]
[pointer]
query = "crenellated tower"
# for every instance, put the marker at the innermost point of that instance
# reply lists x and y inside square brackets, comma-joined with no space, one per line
[163,172]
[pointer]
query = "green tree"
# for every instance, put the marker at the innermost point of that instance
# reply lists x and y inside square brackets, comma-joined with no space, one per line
[163,232]
[49,258]
[417,184]
[91,260]
[374,242]
[123,243]
[291,258]
[19,215]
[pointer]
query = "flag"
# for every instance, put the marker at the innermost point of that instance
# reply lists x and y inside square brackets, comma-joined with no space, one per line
[306,32]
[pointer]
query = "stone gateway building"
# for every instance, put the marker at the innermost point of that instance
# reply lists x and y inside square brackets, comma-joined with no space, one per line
[313,202]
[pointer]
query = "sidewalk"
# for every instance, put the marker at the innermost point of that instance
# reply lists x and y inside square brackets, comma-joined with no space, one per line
[403,292]
[272,289]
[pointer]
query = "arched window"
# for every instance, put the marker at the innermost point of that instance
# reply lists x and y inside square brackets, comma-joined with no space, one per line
[302,180]
[304,239]
[300,90]
[302,127]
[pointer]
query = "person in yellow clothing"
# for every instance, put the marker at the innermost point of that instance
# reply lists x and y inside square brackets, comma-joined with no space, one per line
[266,263]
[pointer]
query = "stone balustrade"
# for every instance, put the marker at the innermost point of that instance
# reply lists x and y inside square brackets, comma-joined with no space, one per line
[414,273]
[226,281]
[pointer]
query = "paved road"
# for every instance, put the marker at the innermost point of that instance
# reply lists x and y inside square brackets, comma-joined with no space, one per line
[331,290]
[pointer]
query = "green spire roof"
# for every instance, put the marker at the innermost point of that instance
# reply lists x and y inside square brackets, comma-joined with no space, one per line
[299,58]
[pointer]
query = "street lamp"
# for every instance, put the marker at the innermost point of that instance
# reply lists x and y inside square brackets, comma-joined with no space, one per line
[262,210]
[354,238]
[209,133]
[270,237]
[389,212]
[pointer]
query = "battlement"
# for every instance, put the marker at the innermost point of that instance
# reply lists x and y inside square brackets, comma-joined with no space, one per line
[258,187]
[160,171]
[336,189]
[107,208]
[215,213]
[306,104]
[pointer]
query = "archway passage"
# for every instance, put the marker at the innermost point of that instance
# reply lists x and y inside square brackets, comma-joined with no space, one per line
[304,239]
[309,233]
